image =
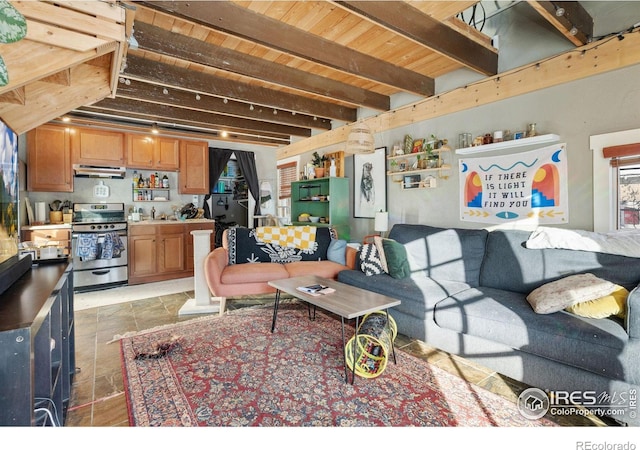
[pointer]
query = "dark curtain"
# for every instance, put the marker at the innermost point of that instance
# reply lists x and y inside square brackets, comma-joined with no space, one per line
[218,158]
[247,163]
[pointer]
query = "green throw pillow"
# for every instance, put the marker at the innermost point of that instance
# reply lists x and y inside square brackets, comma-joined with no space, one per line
[396,256]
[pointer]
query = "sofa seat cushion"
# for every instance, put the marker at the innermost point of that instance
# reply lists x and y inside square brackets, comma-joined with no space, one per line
[596,345]
[325,269]
[417,293]
[253,273]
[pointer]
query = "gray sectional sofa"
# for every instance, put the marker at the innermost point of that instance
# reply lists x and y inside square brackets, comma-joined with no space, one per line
[467,295]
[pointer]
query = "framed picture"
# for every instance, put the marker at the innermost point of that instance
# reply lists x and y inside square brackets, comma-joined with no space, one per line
[369,183]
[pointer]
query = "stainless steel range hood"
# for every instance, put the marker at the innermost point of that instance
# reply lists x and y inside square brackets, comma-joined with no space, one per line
[81,170]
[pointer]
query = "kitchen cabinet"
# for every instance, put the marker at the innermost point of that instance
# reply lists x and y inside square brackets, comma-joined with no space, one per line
[49,159]
[162,250]
[193,177]
[322,197]
[98,147]
[37,347]
[48,235]
[147,152]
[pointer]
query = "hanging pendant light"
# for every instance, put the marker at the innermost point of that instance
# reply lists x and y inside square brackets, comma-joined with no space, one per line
[360,139]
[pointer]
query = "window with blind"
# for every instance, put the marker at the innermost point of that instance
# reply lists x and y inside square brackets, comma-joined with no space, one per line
[286,175]
[625,162]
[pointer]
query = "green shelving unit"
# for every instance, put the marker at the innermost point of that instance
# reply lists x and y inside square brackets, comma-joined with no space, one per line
[335,208]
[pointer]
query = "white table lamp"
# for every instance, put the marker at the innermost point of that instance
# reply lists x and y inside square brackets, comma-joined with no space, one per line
[381,222]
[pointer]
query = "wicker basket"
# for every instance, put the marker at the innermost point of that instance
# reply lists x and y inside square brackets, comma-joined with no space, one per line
[374,342]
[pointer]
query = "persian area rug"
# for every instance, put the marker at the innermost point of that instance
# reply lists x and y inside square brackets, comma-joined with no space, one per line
[232,371]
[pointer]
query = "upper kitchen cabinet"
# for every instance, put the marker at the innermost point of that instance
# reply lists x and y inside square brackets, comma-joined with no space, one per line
[146,152]
[49,159]
[193,177]
[98,147]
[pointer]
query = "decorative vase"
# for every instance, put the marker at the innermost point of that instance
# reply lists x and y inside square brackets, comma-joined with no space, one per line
[319,171]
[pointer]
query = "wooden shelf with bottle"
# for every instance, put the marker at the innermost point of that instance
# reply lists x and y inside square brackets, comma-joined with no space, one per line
[513,143]
[149,194]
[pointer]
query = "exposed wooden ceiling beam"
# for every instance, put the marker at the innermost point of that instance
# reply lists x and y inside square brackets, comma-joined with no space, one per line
[241,22]
[596,59]
[183,99]
[168,75]
[164,42]
[404,19]
[570,18]
[209,120]
[91,116]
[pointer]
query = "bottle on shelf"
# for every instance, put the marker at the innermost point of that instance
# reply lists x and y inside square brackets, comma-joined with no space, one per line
[135,178]
[165,181]
[152,180]
[157,182]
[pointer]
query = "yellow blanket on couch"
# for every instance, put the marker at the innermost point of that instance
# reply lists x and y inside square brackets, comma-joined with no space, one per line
[302,237]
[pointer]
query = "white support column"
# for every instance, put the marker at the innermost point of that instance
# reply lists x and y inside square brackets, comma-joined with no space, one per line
[202,303]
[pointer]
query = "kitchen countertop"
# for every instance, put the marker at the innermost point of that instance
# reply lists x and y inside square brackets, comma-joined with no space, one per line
[52,226]
[163,222]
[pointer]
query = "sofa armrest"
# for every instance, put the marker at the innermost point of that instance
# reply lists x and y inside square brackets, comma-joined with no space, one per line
[632,321]
[214,263]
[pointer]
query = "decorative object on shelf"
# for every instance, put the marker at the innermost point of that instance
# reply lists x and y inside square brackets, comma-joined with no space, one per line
[411,181]
[531,130]
[369,183]
[397,150]
[408,143]
[338,161]
[360,139]
[417,145]
[318,164]
[465,140]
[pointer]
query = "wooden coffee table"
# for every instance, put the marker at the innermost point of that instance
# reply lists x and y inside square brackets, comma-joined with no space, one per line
[348,302]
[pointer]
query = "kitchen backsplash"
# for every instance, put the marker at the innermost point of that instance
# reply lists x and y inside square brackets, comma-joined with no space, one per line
[120,191]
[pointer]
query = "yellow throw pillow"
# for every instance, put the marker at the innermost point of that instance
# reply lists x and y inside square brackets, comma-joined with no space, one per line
[614,304]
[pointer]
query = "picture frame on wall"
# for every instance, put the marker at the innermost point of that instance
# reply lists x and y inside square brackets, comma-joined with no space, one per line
[369,183]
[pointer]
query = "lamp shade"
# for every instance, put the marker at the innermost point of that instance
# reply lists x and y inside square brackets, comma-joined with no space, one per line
[381,222]
[360,139]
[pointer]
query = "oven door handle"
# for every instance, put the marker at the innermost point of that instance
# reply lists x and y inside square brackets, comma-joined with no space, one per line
[100,272]
[100,235]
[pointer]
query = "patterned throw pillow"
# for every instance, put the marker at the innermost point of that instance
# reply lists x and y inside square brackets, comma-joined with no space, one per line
[568,291]
[370,260]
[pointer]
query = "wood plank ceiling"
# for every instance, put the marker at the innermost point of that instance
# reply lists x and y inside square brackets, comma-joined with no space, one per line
[268,72]
[272,72]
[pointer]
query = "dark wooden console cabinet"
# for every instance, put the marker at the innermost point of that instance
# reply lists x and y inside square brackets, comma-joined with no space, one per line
[37,347]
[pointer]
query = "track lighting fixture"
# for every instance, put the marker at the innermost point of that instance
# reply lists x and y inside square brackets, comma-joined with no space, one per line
[154,128]
[225,101]
[197,96]
[251,108]
[165,91]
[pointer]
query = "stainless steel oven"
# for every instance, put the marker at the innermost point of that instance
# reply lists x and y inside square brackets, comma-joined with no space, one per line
[99,246]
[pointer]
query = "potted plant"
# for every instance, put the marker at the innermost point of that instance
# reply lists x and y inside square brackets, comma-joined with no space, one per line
[318,163]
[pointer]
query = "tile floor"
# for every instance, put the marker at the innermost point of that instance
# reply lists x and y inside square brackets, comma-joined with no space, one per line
[98,397]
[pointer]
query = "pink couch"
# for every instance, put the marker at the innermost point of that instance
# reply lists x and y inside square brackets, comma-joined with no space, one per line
[227,280]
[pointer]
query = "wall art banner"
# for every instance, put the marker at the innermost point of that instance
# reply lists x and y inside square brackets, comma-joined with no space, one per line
[528,187]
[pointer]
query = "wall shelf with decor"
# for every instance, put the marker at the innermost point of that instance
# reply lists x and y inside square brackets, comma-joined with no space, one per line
[416,170]
[514,143]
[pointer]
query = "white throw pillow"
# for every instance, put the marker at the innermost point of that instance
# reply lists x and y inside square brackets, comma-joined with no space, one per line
[560,294]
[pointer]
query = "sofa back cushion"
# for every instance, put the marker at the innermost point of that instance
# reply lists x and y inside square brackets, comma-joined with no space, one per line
[244,247]
[509,265]
[451,254]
